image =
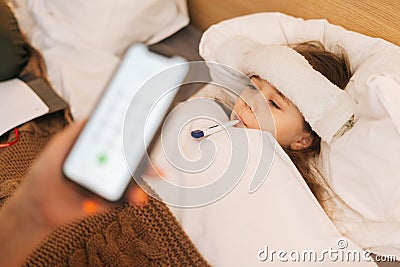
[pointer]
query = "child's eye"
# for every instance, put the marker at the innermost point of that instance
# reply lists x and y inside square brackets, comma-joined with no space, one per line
[252,87]
[272,102]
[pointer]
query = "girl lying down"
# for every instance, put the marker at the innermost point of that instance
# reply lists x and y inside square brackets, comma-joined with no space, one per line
[293,129]
[207,225]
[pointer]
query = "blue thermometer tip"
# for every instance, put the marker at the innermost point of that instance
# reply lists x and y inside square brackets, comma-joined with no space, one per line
[197,133]
[213,129]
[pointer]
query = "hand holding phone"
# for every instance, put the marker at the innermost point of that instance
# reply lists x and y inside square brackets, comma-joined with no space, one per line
[98,160]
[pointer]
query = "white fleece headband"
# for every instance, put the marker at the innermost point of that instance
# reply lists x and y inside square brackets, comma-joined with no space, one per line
[326,107]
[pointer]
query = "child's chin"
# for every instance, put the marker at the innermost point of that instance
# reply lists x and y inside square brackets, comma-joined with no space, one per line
[240,125]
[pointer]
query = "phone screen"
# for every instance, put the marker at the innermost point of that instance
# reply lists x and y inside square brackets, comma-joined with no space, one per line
[97,160]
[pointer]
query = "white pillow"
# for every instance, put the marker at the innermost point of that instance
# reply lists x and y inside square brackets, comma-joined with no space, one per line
[109,25]
[367,55]
[82,40]
[366,179]
[363,168]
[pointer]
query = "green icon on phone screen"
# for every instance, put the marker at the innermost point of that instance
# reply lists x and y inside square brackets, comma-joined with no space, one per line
[102,159]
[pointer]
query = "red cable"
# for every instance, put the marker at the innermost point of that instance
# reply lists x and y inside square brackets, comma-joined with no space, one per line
[13,142]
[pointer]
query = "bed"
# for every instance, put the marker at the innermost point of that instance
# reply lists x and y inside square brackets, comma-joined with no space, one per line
[374,18]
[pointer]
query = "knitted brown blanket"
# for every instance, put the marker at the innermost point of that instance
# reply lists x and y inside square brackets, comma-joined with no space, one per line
[124,236]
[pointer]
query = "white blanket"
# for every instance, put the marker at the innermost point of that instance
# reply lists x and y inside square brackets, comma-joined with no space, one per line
[238,228]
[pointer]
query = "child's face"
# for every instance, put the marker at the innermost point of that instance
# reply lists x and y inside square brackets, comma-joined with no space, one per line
[258,102]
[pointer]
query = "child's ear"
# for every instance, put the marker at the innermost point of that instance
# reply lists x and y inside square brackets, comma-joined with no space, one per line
[303,142]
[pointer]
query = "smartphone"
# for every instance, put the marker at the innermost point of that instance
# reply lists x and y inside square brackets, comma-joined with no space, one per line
[98,160]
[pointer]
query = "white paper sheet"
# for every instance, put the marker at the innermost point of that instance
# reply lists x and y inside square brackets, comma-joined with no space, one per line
[18,104]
